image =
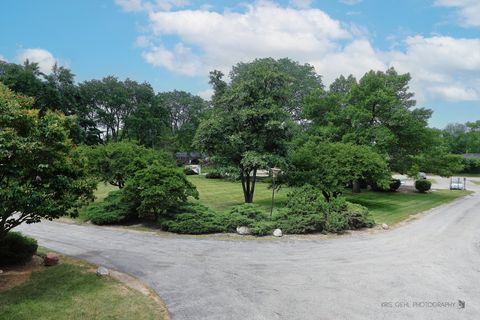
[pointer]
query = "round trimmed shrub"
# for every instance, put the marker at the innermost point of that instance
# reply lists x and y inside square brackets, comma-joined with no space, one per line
[15,248]
[394,185]
[423,185]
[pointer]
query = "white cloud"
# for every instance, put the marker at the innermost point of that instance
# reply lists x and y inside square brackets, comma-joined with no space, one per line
[441,67]
[455,93]
[43,57]
[217,40]
[2,58]
[180,59]
[468,10]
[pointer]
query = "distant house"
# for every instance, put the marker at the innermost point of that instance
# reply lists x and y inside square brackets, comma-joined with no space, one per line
[189,157]
[471,155]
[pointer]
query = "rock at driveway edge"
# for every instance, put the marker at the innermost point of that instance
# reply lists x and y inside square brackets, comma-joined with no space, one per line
[277,233]
[243,231]
[102,271]
[51,259]
[385,226]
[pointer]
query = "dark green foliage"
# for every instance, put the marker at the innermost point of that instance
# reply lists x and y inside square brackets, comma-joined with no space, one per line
[299,223]
[189,172]
[42,174]
[471,165]
[113,209]
[307,211]
[263,228]
[116,162]
[245,215]
[214,174]
[332,166]
[16,248]
[423,185]
[392,187]
[357,216]
[192,218]
[157,189]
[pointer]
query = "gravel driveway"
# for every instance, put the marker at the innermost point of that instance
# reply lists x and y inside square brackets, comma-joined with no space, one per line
[417,271]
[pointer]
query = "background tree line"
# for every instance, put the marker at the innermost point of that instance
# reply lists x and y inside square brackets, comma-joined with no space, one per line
[110,109]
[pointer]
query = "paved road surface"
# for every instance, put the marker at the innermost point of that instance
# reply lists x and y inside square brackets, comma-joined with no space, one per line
[430,260]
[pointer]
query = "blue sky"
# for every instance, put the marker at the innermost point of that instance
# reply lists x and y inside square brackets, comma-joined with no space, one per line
[174,43]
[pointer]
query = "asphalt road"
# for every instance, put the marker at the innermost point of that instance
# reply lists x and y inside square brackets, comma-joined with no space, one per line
[416,271]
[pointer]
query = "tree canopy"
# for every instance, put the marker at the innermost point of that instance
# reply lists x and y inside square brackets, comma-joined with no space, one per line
[42,175]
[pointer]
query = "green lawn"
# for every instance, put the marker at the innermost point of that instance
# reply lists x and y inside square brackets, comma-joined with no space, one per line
[385,207]
[391,208]
[69,291]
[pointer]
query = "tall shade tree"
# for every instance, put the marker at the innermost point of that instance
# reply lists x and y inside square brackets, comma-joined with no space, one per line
[248,127]
[41,173]
[302,80]
[110,102]
[377,111]
[185,112]
[116,162]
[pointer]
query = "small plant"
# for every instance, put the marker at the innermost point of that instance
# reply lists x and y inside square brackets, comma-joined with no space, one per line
[214,174]
[16,248]
[423,185]
[262,228]
[192,218]
[394,185]
[113,209]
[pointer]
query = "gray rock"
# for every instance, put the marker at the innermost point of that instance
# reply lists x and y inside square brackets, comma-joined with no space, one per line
[243,231]
[102,271]
[277,233]
[385,226]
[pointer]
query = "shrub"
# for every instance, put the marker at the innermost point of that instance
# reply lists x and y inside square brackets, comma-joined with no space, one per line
[423,185]
[299,223]
[391,187]
[113,209]
[394,185]
[189,171]
[16,248]
[214,174]
[157,190]
[306,211]
[262,228]
[358,216]
[192,218]
[243,215]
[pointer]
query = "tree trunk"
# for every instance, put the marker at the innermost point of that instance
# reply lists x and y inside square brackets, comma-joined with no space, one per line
[248,184]
[356,187]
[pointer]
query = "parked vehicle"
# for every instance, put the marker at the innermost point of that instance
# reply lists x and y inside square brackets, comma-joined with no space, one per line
[457,183]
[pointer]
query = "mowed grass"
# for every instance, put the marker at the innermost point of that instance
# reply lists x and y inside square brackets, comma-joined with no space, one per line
[391,208]
[69,291]
[385,207]
[222,195]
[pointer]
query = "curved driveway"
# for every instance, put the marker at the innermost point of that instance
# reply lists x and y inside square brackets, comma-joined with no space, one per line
[417,271]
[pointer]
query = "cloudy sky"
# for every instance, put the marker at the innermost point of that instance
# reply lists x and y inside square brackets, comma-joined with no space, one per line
[174,43]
